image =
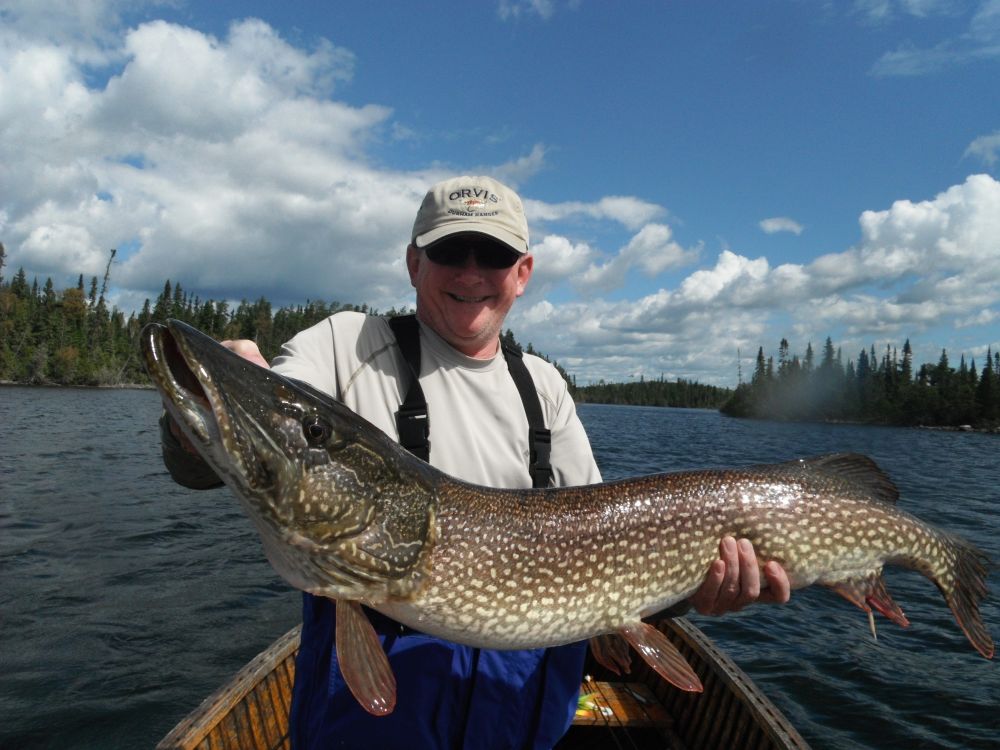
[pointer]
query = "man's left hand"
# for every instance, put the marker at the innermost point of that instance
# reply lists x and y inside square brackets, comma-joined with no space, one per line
[734,581]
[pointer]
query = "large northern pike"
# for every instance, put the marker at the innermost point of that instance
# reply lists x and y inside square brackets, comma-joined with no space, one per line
[344,512]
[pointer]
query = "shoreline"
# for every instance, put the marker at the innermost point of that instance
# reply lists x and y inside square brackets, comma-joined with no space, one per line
[994,430]
[118,386]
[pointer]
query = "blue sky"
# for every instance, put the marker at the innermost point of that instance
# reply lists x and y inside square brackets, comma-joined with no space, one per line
[700,178]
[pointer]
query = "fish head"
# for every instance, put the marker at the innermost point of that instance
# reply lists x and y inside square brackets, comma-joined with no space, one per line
[341,509]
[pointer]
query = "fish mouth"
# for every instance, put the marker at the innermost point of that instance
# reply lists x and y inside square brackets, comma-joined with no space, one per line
[191,396]
[185,395]
[176,365]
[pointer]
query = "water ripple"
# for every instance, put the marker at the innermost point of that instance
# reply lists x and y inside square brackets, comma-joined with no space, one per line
[125,599]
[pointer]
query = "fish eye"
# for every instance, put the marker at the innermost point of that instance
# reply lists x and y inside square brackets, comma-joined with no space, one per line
[316,430]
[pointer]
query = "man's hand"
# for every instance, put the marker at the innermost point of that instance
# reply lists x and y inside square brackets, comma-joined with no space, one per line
[733,581]
[246,349]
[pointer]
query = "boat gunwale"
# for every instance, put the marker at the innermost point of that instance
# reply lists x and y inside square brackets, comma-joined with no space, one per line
[738,683]
[198,725]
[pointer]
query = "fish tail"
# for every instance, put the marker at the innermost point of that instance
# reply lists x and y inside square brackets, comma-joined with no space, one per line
[963,585]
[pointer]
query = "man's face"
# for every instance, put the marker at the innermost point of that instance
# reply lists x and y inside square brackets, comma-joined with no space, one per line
[463,299]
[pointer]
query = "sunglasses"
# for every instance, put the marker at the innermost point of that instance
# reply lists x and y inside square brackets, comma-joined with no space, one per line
[487,254]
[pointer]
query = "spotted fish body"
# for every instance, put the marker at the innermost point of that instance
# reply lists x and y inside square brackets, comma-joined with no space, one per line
[344,512]
[528,569]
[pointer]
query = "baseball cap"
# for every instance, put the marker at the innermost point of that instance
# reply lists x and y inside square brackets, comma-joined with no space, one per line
[471,204]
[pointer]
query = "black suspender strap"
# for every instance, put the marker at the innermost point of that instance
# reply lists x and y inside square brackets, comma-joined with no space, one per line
[413,424]
[539,437]
[411,419]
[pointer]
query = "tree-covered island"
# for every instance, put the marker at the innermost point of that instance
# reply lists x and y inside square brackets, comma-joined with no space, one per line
[876,388]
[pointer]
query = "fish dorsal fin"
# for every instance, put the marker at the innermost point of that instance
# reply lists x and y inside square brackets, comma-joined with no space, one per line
[660,654]
[363,663]
[859,470]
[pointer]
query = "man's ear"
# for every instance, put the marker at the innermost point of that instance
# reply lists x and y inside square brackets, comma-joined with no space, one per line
[413,259]
[525,266]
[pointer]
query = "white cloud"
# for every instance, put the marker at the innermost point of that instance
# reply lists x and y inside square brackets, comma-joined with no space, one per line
[514,9]
[732,275]
[781,224]
[86,30]
[632,213]
[880,11]
[517,171]
[557,259]
[652,251]
[180,82]
[873,10]
[917,265]
[980,40]
[986,147]
[219,158]
[982,318]
[224,164]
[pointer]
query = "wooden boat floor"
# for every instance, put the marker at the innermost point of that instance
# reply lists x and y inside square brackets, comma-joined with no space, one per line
[620,714]
[619,704]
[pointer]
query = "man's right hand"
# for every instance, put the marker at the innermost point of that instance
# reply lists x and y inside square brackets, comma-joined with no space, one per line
[735,580]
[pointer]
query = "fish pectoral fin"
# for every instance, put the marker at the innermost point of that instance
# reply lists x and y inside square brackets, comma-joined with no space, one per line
[612,653]
[660,654]
[869,592]
[363,663]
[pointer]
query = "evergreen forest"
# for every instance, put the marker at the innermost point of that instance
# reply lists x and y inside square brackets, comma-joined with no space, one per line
[74,337]
[642,392]
[876,388]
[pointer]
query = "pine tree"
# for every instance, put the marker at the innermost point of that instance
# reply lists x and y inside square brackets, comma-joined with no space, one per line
[987,391]
[760,370]
[906,371]
[161,310]
[784,364]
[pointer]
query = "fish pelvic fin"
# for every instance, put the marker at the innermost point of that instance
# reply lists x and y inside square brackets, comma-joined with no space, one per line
[963,587]
[660,654]
[611,652]
[870,592]
[363,663]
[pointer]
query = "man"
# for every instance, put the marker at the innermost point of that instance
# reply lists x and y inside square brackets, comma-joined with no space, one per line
[468,261]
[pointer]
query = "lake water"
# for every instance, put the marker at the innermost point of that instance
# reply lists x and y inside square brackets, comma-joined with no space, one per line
[125,599]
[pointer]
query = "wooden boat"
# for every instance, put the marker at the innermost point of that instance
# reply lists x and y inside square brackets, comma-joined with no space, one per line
[251,711]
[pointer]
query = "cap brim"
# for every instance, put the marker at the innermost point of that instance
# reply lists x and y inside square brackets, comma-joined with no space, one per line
[511,240]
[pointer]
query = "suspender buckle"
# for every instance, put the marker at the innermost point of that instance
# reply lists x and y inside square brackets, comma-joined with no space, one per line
[540,447]
[414,430]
